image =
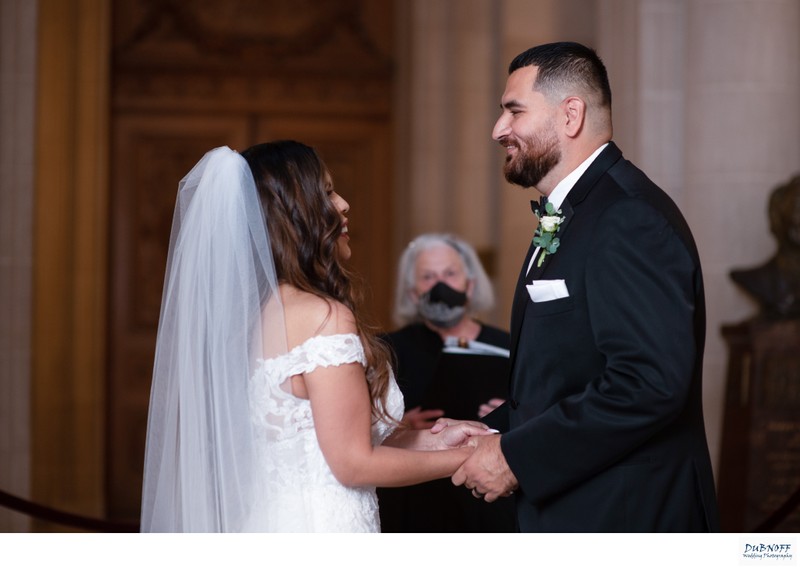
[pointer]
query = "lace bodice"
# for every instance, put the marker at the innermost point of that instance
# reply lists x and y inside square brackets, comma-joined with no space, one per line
[301,494]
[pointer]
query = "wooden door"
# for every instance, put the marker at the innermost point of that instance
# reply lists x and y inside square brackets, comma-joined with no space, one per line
[188,77]
[357,153]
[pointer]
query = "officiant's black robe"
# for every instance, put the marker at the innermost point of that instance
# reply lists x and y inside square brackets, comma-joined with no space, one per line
[458,384]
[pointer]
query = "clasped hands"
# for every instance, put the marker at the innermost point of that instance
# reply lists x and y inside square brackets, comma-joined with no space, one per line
[486,471]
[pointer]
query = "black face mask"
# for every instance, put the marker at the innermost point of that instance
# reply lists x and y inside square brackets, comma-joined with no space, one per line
[442,306]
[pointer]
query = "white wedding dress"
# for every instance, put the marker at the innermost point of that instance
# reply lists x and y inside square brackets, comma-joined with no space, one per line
[300,493]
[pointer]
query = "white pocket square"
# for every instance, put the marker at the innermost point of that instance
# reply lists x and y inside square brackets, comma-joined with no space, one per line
[543,291]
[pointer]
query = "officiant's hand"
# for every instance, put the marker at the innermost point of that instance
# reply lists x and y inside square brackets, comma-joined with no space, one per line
[486,471]
[489,406]
[417,418]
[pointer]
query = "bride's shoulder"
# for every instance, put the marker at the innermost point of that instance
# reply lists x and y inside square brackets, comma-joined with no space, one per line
[308,315]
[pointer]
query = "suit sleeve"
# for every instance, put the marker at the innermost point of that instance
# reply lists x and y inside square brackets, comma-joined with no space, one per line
[497,419]
[640,300]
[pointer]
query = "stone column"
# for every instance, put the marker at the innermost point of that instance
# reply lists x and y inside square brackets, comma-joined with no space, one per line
[524,24]
[17,93]
[446,88]
[70,250]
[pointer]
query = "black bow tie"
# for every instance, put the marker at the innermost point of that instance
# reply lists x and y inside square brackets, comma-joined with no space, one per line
[538,208]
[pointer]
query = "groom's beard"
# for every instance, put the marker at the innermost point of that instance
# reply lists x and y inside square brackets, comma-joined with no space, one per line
[529,167]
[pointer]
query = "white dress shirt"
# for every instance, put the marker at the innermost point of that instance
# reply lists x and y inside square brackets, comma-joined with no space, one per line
[559,193]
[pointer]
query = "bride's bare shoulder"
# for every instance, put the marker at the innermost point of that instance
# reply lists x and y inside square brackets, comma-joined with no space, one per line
[308,315]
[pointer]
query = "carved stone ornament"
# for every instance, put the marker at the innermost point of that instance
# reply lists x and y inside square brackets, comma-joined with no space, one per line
[776,283]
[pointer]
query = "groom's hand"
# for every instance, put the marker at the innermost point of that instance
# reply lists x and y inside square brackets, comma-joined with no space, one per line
[486,471]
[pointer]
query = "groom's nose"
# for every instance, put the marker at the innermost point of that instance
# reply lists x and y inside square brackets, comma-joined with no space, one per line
[501,127]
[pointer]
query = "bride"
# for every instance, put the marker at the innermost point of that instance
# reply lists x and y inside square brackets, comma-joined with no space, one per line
[273,407]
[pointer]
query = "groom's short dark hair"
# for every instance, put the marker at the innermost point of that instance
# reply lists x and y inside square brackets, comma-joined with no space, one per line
[566,63]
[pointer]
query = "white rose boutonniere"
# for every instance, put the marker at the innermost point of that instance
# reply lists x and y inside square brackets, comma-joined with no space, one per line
[548,227]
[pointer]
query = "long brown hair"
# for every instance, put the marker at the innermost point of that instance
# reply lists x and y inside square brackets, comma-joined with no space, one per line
[304,227]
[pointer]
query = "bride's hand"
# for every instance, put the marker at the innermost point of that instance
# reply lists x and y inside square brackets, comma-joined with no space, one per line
[451,433]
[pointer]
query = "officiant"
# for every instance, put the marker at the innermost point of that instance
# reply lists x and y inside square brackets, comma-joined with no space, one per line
[447,363]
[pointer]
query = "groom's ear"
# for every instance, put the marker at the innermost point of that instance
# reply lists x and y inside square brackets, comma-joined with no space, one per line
[574,115]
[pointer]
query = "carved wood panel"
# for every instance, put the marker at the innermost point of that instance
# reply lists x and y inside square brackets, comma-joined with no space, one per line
[190,76]
[358,156]
[760,460]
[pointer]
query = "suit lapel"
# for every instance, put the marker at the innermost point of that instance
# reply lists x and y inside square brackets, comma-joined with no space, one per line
[607,158]
[520,298]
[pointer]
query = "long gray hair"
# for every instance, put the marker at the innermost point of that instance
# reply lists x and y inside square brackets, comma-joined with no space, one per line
[405,308]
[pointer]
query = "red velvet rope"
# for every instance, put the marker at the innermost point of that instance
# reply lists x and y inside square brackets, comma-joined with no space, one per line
[780,514]
[48,514]
[106,526]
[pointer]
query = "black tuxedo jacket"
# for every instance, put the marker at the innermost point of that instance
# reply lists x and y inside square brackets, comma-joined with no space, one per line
[605,420]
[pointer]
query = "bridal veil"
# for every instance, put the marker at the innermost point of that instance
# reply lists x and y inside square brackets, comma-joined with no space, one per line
[200,460]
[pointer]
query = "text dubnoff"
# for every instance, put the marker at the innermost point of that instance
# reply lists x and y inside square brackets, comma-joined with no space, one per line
[768,551]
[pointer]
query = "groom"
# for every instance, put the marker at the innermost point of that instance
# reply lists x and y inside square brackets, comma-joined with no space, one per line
[603,430]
